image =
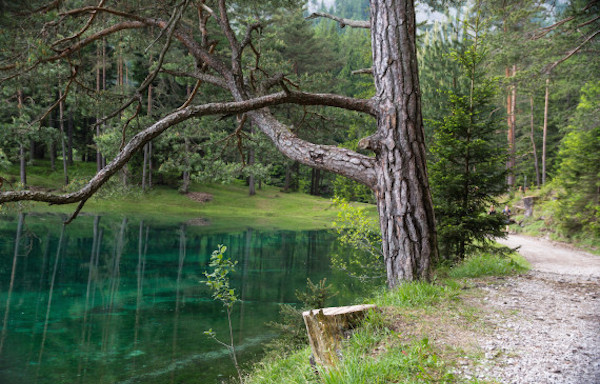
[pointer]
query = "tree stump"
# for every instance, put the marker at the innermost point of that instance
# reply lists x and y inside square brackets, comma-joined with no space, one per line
[528,204]
[326,327]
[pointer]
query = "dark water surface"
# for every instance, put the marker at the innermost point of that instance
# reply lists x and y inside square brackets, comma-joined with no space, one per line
[112,300]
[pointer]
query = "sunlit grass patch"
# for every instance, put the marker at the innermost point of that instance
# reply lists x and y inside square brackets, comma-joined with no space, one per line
[414,294]
[488,265]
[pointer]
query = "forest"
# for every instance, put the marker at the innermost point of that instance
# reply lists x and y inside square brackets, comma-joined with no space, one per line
[298,95]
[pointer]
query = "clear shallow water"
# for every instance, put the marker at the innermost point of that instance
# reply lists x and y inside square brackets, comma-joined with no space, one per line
[112,300]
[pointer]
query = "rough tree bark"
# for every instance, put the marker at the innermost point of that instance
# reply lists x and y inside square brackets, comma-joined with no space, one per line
[402,188]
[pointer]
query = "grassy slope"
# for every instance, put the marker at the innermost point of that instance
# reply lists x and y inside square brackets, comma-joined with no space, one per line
[231,206]
[422,333]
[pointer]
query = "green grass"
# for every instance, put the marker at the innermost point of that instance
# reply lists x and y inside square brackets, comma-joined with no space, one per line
[231,207]
[489,265]
[413,295]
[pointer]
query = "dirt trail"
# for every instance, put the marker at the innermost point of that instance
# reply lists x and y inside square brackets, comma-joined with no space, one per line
[547,256]
[542,327]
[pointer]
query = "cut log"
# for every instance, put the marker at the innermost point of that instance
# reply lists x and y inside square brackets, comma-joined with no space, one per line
[326,327]
[528,203]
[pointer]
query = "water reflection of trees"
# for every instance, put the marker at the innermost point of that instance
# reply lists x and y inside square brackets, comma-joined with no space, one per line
[107,295]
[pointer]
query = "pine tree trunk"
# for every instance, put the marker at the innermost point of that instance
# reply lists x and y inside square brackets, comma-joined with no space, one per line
[251,160]
[61,114]
[22,164]
[70,138]
[403,198]
[532,136]
[545,130]
[146,168]
[98,87]
[287,180]
[52,154]
[510,118]
[185,186]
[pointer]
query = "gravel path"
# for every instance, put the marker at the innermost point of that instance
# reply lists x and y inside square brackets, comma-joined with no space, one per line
[545,324]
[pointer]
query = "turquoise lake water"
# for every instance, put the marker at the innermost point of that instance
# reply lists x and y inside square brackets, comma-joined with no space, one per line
[117,300]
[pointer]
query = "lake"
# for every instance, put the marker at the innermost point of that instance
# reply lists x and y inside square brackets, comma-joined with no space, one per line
[120,300]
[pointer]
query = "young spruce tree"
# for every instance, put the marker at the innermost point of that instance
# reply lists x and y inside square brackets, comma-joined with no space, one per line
[467,169]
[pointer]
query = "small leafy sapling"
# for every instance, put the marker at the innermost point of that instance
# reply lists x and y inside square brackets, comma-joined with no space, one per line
[218,282]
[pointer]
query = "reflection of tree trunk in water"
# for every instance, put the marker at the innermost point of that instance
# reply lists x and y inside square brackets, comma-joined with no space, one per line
[93,300]
[286,257]
[247,249]
[114,285]
[12,280]
[141,267]
[182,252]
[91,274]
[311,250]
[49,306]
[45,252]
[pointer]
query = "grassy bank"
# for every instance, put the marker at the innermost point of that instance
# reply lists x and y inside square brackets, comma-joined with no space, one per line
[422,334]
[230,206]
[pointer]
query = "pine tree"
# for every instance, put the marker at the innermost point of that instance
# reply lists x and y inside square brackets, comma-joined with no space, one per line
[468,161]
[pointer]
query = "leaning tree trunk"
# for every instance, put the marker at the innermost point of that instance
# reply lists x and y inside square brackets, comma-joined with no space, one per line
[402,188]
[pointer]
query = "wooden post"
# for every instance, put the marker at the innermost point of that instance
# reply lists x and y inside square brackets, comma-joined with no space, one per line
[326,327]
[528,204]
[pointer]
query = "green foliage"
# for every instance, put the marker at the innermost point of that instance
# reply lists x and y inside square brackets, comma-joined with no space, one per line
[467,167]
[359,232]
[218,282]
[218,279]
[4,162]
[578,176]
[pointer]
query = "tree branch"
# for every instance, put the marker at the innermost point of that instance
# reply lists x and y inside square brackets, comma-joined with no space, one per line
[551,67]
[139,140]
[364,71]
[341,21]
[342,161]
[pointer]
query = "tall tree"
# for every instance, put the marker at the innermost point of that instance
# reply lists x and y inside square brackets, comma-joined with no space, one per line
[397,173]
[468,170]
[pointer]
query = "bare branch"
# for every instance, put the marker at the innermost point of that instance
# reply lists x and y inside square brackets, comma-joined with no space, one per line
[551,67]
[83,29]
[192,95]
[170,30]
[545,30]
[62,97]
[81,44]
[588,22]
[364,71]
[139,140]
[206,78]
[343,22]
